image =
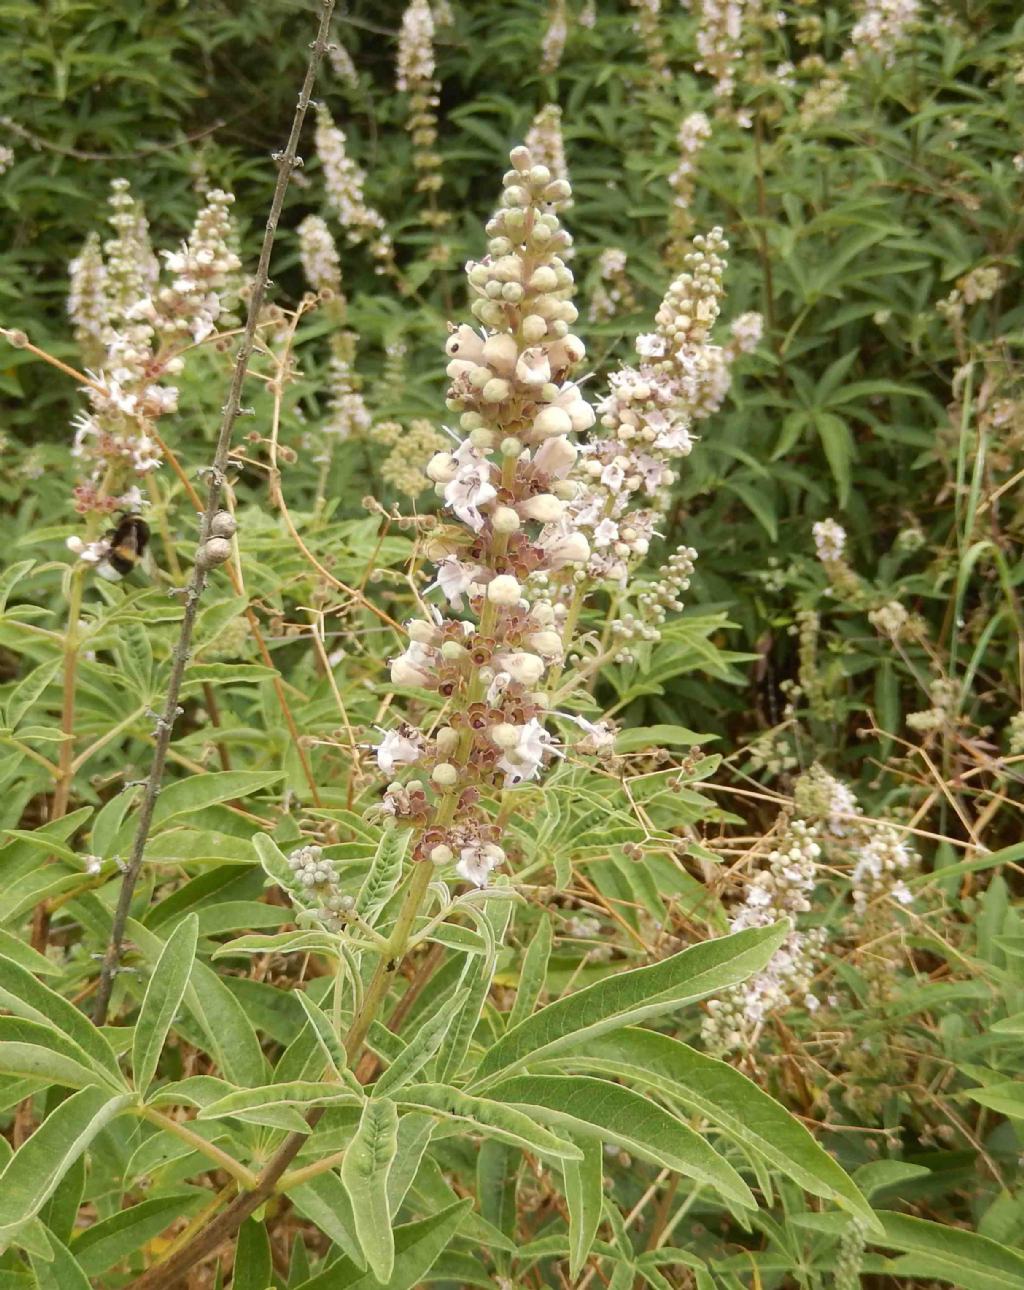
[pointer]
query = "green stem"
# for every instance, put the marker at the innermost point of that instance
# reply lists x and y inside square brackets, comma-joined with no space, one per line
[226,1162]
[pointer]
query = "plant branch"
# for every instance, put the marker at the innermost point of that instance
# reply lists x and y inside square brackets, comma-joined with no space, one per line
[287,160]
[169,1273]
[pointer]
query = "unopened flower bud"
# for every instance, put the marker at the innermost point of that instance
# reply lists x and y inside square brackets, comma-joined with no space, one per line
[505,735]
[425,633]
[445,775]
[441,467]
[503,590]
[446,741]
[441,854]
[534,329]
[452,651]
[545,507]
[550,422]
[504,520]
[496,390]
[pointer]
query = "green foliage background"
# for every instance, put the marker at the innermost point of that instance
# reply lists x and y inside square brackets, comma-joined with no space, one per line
[863,402]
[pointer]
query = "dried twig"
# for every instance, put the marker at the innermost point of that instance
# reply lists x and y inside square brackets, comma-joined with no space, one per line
[287,161]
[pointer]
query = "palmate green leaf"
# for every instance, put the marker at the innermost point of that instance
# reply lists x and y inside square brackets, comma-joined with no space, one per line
[364,1173]
[631,996]
[595,1108]
[26,997]
[164,994]
[417,1246]
[39,1164]
[380,883]
[728,1099]
[965,1259]
[584,1195]
[492,1118]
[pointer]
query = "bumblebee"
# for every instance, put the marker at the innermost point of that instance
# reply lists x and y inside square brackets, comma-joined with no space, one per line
[127,543]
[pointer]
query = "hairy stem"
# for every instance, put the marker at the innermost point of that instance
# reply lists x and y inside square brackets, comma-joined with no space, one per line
[232,408]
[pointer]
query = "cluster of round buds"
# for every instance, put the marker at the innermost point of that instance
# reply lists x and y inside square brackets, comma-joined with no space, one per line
[316,879]
[87,298]
[818,795]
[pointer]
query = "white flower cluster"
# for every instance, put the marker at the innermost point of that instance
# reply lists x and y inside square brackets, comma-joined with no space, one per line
[719,42]
[734,1019]
[136,322]
[646,26]
[415,47]
[648,413]
[613,294]
[829,540]
[694,132]
[881,28]
[341,64]
[87,294]
[828,816]
[881,862]
[552,45]
[343,185]
[320,260]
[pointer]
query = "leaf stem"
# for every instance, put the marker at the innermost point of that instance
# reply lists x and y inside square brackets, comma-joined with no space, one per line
[241,1173]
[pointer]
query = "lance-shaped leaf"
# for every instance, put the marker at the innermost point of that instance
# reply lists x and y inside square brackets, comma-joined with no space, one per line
[230,1034]
[584,1194]
[493,1119]
[385,871]
[41,1162]
[325,1202]
[967,1260]
[23,995]
[417,1247]
[36,1051]
[533,973]
[298,1093]
[364,1172]
[61,1271]
[164,993]
[728,1099]
[114,1238]
[422,1046]
[633,996]
[596,1109]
